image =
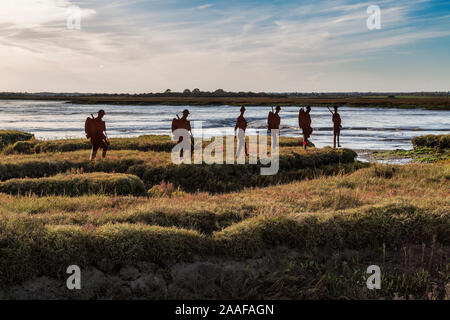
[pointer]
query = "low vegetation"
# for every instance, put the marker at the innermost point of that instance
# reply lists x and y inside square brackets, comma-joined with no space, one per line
[8,137]
[143,143]
[312,230]
[432,141]
[337,225]
[153,167]
[76,185]
[427,149]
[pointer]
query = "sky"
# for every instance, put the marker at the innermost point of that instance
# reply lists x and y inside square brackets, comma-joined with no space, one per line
[138,46]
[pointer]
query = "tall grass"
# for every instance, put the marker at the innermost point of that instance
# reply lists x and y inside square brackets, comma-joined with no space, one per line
[76,185]
[8,137]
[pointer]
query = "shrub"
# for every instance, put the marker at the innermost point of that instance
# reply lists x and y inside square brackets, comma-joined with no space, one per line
[76,185]
[165,190]
[383,171]
[20,147]
[432,141]
[8,137]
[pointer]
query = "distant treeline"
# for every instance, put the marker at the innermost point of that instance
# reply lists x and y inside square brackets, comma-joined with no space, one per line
[222,93]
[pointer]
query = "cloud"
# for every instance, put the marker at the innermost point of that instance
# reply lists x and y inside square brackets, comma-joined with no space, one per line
[205,6]
[149,45]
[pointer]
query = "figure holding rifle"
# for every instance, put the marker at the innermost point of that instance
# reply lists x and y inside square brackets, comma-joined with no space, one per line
[183,123]
[273,125]
[304,122]
[95,129]
[337,126]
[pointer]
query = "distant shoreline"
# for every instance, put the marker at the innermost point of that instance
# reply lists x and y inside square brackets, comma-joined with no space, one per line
[414,102]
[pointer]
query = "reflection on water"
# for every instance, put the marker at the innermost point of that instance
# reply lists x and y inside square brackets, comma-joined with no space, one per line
[364,128]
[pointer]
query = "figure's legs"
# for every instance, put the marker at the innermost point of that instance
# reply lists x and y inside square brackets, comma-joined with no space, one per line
[240,142]
[334,140]
[105,149]
[274,139]
[94,151]
[181,151]
[241,145]
[305,141]
[338,136]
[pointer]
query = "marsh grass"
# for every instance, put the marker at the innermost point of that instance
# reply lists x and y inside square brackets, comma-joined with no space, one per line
[427,149]
[154,167]
[76,185]
[142,143]
[337,215]
[432,141]
[8,137]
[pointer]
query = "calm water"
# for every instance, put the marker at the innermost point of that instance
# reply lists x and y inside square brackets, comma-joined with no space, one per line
[364,128]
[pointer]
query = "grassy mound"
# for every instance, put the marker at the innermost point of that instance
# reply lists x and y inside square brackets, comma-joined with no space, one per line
[8,137]
[432,141]
[326,230]
[142,143]
[427,149]
[225,178]
[31,248]
[46,168]
[76,185]
[153,168]
[355,230]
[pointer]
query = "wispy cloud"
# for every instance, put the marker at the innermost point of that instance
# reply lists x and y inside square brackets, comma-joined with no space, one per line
[205,6]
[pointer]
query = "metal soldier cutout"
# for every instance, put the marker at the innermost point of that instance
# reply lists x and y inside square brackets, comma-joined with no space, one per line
[241,126]
[336,127]
[95,129]
[304,122]
[274,126]
[182,123]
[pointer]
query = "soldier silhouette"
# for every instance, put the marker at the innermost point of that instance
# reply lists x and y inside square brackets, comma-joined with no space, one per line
[274,125]
[182,123]
[336,127]
[95,129]
[241,126]
[304,122]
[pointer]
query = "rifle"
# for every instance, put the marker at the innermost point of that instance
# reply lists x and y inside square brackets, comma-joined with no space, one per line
[333,114]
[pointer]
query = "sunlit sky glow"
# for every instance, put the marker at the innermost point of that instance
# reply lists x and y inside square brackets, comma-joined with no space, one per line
[259,45]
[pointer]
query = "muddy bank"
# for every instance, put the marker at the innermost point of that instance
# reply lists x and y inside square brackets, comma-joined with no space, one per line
[281,273]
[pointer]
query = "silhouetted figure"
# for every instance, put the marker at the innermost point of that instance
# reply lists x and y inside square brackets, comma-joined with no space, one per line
[274,125]
[336,127]
[304,122]
[95,129]
[241,126]
[182,123]
[274,119]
